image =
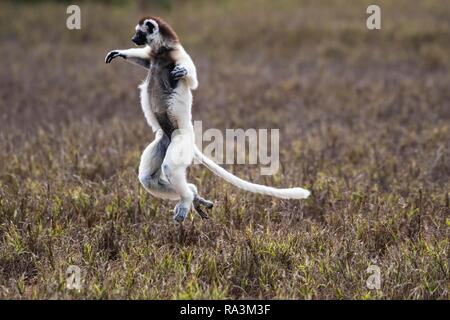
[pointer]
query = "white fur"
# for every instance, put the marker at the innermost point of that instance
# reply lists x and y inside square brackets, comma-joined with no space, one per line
[180,108]
[146,165]
[182,58]
[179,154]
[134,55]
[182,148]
[141,53]
[287,193]
[145,105]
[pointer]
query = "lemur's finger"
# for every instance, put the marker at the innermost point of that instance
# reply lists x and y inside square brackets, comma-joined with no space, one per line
[108,57]
[178,72]
[177,77]
[111,55]
[178,68]
[182,72]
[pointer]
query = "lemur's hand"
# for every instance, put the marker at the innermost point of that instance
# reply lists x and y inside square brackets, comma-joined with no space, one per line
[113,54]
[178,72]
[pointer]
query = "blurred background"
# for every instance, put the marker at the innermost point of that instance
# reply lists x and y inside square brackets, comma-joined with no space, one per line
[364,119]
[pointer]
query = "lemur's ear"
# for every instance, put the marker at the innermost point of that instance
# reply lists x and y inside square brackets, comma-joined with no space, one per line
[151,26]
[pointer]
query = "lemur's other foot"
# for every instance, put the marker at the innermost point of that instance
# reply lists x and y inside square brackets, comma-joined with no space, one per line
[181,211]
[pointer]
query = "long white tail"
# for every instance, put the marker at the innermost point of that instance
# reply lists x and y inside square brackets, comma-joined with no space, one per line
[288,193]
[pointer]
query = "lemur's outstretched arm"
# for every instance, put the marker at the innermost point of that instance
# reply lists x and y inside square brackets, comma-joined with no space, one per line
[138,56]
[184,67]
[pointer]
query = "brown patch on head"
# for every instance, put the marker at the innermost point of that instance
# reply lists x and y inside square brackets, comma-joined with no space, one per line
[165,29]
[141,21]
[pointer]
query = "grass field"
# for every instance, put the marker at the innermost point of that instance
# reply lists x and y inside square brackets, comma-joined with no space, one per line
[364,119]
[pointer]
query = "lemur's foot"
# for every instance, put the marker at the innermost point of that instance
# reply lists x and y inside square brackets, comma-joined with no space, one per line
[178,72]
[198,202]
[181,211]
[207,203]
[112,55]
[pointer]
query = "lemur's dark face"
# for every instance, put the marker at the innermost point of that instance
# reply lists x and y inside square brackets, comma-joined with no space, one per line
[139,38]
[147,32]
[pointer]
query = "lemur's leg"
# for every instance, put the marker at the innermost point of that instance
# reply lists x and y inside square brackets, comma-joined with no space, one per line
[150,172]
[154,181]
[138,56]
[178,157]
[199,202]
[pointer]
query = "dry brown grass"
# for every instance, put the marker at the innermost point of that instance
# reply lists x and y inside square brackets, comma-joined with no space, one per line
[365,124]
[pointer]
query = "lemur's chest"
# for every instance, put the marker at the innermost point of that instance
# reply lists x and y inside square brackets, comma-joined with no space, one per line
[160,84]
[160,91]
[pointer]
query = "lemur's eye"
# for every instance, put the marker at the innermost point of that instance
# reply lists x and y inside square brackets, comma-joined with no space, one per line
[150,26]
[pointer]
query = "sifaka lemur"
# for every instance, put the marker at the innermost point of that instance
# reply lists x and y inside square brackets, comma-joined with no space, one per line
[166,101]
